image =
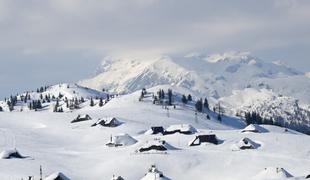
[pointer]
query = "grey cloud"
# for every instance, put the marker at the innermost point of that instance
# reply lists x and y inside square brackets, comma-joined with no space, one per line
[273,29]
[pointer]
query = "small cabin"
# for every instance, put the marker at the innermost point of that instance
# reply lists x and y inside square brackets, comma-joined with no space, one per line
[273,173]
[108,122]
[121,140]
[246,143]
[155,145]
[155,130]
[209,138]
[11,154]
[80,118]
[180,128]
[112,122]
[154,174]
[57,176]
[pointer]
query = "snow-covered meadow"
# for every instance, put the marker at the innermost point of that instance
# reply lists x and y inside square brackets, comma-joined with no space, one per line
[79,151]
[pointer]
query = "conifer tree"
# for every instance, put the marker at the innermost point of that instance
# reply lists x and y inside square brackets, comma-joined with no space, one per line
[162,94]
[198,105]
[169,97]
[206,103]
[219,117]
[189,97]
[56,106]
[184,99]
[100,102]
[91,102]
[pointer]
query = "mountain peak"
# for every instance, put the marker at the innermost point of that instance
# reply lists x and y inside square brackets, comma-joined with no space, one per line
[229,56]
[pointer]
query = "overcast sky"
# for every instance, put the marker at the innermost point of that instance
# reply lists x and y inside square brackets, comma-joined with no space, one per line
[45,42]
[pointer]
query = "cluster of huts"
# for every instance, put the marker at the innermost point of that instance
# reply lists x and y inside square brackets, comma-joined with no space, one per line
[158,145]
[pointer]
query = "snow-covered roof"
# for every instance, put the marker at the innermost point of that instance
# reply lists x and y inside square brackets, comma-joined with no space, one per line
[123,139]
[112,120]
[245,143]
[156,143]
[149,132]
[182,128]
[11,153]
[154,174]
[155,130]
[57,176]
[273,173]
[83,116]
[207,138]
[252,128]
[117,178]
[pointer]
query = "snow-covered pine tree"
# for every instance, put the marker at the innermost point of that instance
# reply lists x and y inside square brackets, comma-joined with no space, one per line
[184,99]
[169,97]
[198,105]
[100,102]
[206,103]
[56,106]
[189,97]
[91,102]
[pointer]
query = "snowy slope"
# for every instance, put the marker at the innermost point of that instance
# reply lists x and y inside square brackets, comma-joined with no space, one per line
[79,151]
[70,91]
[61,92]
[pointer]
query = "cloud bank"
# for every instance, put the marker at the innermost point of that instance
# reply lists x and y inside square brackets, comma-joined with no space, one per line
[90,30]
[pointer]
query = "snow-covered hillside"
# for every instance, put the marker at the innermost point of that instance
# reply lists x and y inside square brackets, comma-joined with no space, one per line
[80,152]
[66,94]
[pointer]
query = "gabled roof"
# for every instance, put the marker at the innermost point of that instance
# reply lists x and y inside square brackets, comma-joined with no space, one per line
[155,130]
[207,138]
[122,140]
[154,174]
[80,118]
[109,122]
[9,154]
[156,145]
[273,173]
[181,128]
[252,128]
[57,176]
[245,143]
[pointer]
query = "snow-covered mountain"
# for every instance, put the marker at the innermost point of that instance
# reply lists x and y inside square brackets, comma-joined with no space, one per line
[284,110]
[217,77]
